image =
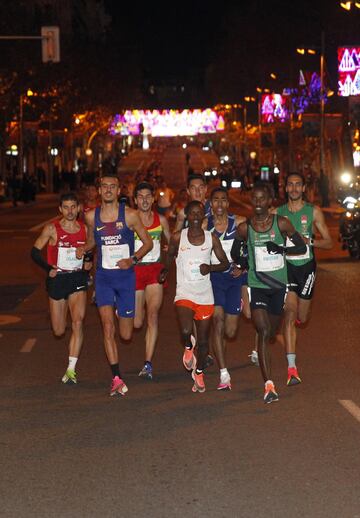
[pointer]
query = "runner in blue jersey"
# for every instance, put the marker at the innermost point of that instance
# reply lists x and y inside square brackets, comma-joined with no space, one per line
[111,228]
[226,285]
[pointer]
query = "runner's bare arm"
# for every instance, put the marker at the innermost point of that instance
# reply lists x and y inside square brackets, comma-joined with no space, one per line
[172,253]
[221,256]
[325,242]
[90,240]
[133,221]
[48,235]
[165,228]
[179,220]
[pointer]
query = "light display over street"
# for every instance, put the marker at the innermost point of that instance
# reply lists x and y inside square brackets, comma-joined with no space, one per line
[349,71]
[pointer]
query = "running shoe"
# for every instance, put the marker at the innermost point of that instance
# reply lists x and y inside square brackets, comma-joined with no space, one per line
[189,359]
[293,377]
[146,372]
[199,385]
[270,394]
[69,377]
[118,387]
[224,385]
[254,358]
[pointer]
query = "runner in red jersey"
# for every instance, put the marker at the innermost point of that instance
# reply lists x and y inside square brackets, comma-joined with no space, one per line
[67,279]
[149,292]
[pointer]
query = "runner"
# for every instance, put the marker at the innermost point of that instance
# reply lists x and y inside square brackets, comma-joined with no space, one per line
[265,234]
[67,279]
[111,228]
[227,285]
[306,219]
[196,189]
[194,298]
[164,197]
[91,199]
[149,292]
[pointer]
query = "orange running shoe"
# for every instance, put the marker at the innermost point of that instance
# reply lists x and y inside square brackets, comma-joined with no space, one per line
[270,394]
[293,377]
[189,359]
[199,385]
[118,387]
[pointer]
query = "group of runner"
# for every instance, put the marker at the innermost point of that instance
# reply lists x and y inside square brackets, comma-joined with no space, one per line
[263,265]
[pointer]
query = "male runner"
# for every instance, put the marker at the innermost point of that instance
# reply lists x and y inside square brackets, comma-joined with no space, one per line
[91,198]
[265,234]
[194,298]
[196,189]
[307,219]
[111,228]
[227,285]
[149,291]
[164,197]
[67,281]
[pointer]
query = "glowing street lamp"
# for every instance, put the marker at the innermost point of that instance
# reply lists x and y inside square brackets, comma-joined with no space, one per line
[348,5]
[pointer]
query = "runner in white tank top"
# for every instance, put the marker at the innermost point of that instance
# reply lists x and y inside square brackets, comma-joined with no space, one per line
[194,298]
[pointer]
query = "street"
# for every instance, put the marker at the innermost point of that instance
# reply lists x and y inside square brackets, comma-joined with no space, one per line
[162,450]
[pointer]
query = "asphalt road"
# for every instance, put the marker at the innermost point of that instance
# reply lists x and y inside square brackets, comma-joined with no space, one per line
[163,451]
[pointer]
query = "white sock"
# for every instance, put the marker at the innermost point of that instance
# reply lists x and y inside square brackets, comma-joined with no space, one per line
[291,358]
[224,375]
[72,362]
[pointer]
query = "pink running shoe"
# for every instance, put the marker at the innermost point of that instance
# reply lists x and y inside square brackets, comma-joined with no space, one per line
[118,387]
[224,386]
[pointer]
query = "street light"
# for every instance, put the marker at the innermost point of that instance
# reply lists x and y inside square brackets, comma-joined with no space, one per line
[348,5]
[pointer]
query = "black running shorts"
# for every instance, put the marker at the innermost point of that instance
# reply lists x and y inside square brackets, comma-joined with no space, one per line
[271,300]
[64,284]
[301,279]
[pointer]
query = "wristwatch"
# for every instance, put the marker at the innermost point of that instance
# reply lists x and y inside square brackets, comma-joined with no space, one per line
[134,259]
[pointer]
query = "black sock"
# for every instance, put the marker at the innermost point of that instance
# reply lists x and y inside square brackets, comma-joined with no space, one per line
[115,370]
[199,371]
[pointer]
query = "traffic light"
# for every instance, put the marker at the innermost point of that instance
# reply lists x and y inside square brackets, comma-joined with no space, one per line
[50,44]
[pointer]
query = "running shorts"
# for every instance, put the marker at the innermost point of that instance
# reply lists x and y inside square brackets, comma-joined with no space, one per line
[147,274]
[301,279]
[65,284]
[116,288]
[271,300]
[227,291]
[201,311]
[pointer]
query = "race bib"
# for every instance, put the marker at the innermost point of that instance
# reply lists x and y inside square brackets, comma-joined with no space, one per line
[265,262]
[111,254]
[67,259]
[154,255]
[289,244]
[192,271]
[226,245]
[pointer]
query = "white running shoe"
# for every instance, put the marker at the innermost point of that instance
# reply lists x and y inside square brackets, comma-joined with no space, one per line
[254,358]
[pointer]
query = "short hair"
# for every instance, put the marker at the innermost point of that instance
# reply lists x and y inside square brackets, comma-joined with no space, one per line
[68,196]
[110,174]
[192,204]
[195,176]
[295,173]
[143,185]
[218,189]
[261,185]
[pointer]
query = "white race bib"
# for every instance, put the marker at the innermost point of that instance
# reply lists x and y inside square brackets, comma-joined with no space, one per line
[265,262]
[226,245]
[67,259]
[297,257]
[192,271]
[154,255]
[111,254]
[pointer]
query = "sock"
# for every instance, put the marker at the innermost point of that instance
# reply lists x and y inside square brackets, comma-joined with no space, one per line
[148,364]
[199,371]
[72,362]
[115,370]
[224,375]
[188,346]
[291,358]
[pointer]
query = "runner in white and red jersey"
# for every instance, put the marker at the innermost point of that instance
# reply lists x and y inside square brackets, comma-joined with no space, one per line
[67,279]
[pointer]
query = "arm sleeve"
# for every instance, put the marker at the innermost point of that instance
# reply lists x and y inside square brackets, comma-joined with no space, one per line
[299,245]
[239,253]
[39,260]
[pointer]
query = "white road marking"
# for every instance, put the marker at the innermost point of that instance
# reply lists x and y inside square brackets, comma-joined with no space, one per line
[41,225]
[28,345]
[351,407]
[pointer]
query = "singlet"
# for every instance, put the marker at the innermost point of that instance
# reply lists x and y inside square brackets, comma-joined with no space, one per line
[190,283]
[63,253]
[226,238]
[114,241]
[266,270]
[302,221]
[207,210]
[155,231]
[87,208]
